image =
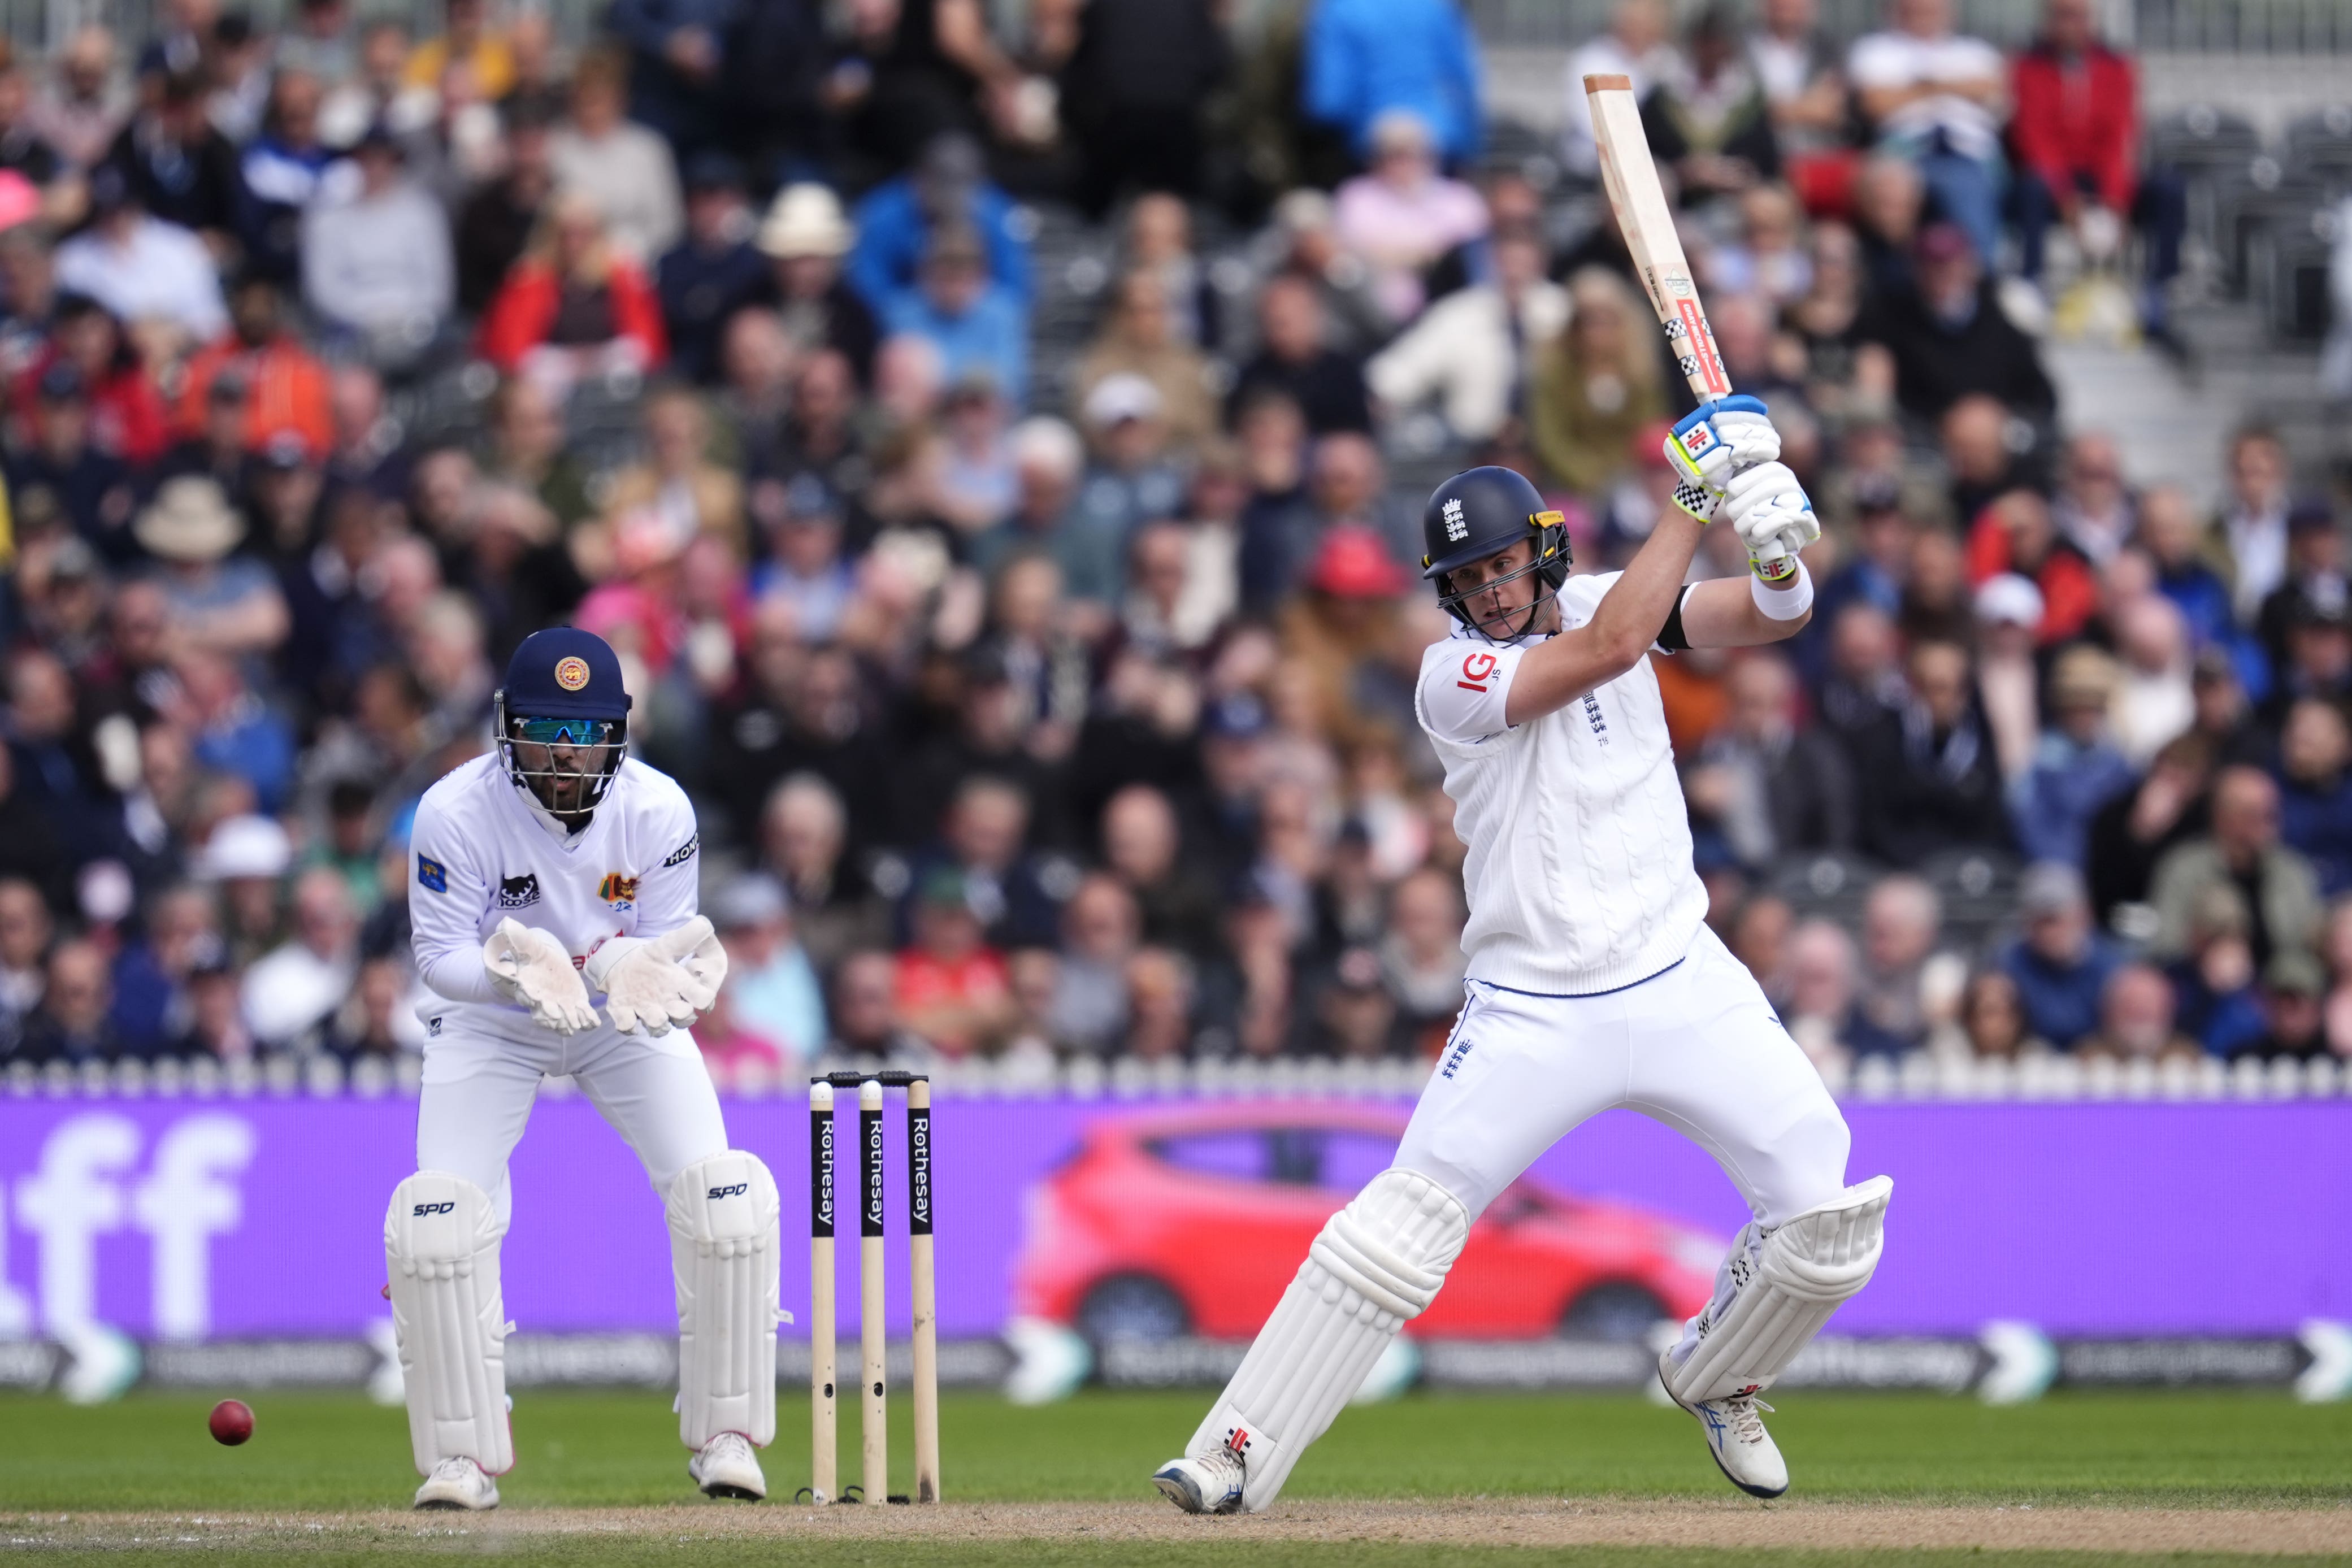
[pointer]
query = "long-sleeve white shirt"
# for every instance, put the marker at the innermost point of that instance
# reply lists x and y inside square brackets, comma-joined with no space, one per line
[1461,353]
[161,271]
[1578,876]
[482,853]
[380,263]
[632,177]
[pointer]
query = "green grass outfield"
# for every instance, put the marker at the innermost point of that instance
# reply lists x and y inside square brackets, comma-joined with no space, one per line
[329,1453]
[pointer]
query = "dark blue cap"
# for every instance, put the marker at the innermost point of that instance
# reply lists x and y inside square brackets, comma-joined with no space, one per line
[61,383]
[565,672]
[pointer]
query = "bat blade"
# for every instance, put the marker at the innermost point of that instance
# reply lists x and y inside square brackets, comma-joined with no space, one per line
[1648,224]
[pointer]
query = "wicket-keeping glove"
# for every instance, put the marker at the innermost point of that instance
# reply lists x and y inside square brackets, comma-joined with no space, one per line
[661,982]
[529,966]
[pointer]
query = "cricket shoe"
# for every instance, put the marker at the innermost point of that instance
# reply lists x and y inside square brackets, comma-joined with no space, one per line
[1744,1452]
[1205,1483]
[457,1483]
[726,1468]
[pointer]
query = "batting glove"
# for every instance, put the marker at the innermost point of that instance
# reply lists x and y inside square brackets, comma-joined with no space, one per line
[529,967]
[1773,517]
[1709,445]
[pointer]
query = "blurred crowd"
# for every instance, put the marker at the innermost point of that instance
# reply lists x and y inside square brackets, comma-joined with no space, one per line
[1035,633]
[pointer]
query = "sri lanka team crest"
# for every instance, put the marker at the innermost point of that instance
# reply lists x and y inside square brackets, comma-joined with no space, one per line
[620,891]
[571,672]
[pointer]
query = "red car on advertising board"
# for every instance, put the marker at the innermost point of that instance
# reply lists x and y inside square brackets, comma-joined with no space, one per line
[1192,1222]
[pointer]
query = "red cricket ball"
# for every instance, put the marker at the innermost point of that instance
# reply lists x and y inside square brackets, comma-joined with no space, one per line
[231,1422]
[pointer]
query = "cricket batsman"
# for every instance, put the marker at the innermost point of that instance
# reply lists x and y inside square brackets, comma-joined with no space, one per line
[551,875]
[1593,980]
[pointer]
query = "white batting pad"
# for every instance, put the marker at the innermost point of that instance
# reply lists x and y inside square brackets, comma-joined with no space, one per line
[441,1251]
[726,1250]
[1376,1265]
[1781,1292]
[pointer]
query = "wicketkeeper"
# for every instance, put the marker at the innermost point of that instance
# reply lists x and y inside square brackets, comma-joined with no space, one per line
[551,875]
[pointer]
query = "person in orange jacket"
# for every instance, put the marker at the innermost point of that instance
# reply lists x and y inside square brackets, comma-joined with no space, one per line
[286,386]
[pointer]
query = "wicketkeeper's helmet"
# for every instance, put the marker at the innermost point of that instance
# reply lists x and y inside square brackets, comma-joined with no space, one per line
[563,693]
[1479,513]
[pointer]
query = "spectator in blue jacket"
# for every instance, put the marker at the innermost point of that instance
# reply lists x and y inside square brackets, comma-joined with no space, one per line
[897,218]
[675,54]
[978,326]
[2316,791]
[2076,767]
[1364,57]
[2060,964]
[2173,535]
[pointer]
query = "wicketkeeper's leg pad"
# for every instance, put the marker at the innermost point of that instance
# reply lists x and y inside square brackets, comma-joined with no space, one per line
[726,1250]
[441,1240]
[1377,1264]
[1777,1291]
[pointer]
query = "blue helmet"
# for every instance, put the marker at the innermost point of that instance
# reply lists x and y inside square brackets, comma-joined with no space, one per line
[1479,513]
[562,720]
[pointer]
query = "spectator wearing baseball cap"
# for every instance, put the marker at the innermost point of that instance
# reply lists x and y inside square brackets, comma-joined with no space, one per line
[803,572]
[713,271]
[376,262]
[2060,961]
[2318,662]
[63,473]
[1131,482]
[899,221]
[978,324]
[2008,678]
[953,990]
[2076,766]
[1950,338]
[2313,575]
[494,223]
[2293,987]
[285,384]
[772,988]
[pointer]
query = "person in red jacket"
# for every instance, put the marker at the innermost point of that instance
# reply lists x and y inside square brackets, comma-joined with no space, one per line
[2076,138]
[572,306]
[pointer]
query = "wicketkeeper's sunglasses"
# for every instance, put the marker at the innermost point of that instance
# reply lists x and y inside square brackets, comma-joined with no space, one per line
[566,731]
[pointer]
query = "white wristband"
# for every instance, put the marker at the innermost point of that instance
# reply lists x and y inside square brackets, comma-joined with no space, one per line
[1784,603]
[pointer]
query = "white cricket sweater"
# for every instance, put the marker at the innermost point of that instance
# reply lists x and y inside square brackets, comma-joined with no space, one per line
[481,852]
[1579,876]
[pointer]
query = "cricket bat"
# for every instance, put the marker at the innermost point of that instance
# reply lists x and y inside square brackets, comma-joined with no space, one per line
[1631,178]
[1648,225]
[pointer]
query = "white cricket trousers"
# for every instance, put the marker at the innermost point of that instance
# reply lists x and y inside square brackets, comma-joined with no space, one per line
[478,1090]
[1698,1048]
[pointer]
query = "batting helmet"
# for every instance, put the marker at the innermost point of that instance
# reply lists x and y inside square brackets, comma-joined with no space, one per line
[1478,513]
